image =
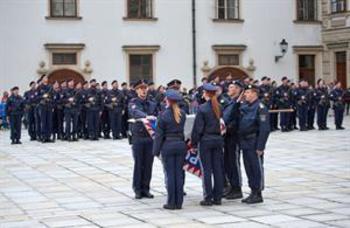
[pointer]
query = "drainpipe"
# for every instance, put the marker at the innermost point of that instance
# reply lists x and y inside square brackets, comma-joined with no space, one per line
[194,44]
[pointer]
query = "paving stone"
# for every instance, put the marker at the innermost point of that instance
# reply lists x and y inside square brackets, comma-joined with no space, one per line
[89,184]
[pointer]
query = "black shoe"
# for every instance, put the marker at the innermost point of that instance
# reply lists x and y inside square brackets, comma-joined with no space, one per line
[206,203]
[217,202]
[227,190]
[138,196]
[147,195]
[303,129]
[107,137]
[296,128]
[32,139]
[340,128]
[254,197]
[284,130]
[235,194]
[13,142]
[178,207]
[18,142]
[168,207]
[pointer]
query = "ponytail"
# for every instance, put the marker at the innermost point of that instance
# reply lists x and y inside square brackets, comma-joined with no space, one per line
[215,105]
[176,112]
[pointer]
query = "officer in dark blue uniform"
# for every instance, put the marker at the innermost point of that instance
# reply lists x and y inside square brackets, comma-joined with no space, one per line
[125,91]
[82,122]
[323,104]
[58,116]
[293,94]
[46,109]
[254,129]
[71,101]
[206,134]
[105,123]
[93,105]
[302,98]
[37,114]
[169,143]
[283,102]
[15,110]
[115,104]
[312,108]
[231,149]
[199,93]
[29,99]
[336,96]
[142,107]
[176,85]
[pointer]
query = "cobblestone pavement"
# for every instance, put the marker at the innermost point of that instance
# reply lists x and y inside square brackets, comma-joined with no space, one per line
[88,184]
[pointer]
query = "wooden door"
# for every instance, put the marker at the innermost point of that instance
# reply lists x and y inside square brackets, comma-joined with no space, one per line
[65,74]
[307,68]
[340,64]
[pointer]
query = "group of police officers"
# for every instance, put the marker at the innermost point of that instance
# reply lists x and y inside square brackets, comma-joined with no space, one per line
[70,111]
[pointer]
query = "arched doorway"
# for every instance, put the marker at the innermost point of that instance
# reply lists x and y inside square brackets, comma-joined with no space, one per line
[65,74]
[224,71]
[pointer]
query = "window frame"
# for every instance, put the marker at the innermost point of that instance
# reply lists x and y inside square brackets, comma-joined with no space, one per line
[141,56]
[64,16]
[302,19]
[219,55]
[128,17]
[64,53]
[237,17]
[140,50]
[332,2]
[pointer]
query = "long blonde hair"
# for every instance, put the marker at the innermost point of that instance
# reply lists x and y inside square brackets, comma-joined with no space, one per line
[176,111]
[214,104]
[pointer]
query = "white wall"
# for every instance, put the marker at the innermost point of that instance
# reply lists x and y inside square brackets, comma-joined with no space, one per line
[24,31]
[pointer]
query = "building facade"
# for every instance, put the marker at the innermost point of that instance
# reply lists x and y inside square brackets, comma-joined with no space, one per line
[161,39]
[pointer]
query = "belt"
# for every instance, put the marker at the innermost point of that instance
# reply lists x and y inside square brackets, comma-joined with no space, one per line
[248,136]
[174,138]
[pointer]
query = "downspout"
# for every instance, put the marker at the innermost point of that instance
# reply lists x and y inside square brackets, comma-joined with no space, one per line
[194,44]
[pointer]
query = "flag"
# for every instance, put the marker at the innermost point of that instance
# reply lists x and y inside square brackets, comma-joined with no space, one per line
[150,125]
[193,163]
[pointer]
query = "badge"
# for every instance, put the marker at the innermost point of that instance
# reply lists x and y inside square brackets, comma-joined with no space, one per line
[133,106]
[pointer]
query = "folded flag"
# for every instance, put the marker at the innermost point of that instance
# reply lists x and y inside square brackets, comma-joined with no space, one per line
[150,125]
[193,163]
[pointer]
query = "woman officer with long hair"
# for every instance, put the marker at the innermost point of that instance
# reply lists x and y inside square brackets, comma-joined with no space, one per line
[207,134]
[169,143]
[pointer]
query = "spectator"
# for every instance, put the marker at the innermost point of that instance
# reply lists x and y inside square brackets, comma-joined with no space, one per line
[3,119]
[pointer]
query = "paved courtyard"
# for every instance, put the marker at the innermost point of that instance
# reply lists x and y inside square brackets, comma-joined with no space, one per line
[88,184]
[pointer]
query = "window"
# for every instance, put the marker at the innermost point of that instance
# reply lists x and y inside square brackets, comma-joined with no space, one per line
[227,9]
[63,8]
[64,58]
[228,59]
[307,10]
[140,67]
[338,6]
[139,9]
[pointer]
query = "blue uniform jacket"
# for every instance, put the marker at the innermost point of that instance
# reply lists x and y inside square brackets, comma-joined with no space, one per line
[254,123]
[231,117]
[137,109]
[15,105]
[169,135]
[206,126]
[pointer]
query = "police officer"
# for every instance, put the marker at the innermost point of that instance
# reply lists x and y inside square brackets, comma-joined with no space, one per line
[169,143]
[93,105]
[14,110]
[105,123]
[29,99]
[45,94]
[302,98]
[71,100]
[283,102]
[142,107]
[82,123]
[199,93]
[176,85]
[323,104]
[293,93]
[312,108]
[58,115]
[115,105]
[207,134]
[254,129]
[336,96]
[125,92]
[231,148]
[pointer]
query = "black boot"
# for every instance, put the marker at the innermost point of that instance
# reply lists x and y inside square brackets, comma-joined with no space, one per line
[168,207]
[254,197]
[206,203]
[236,193]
